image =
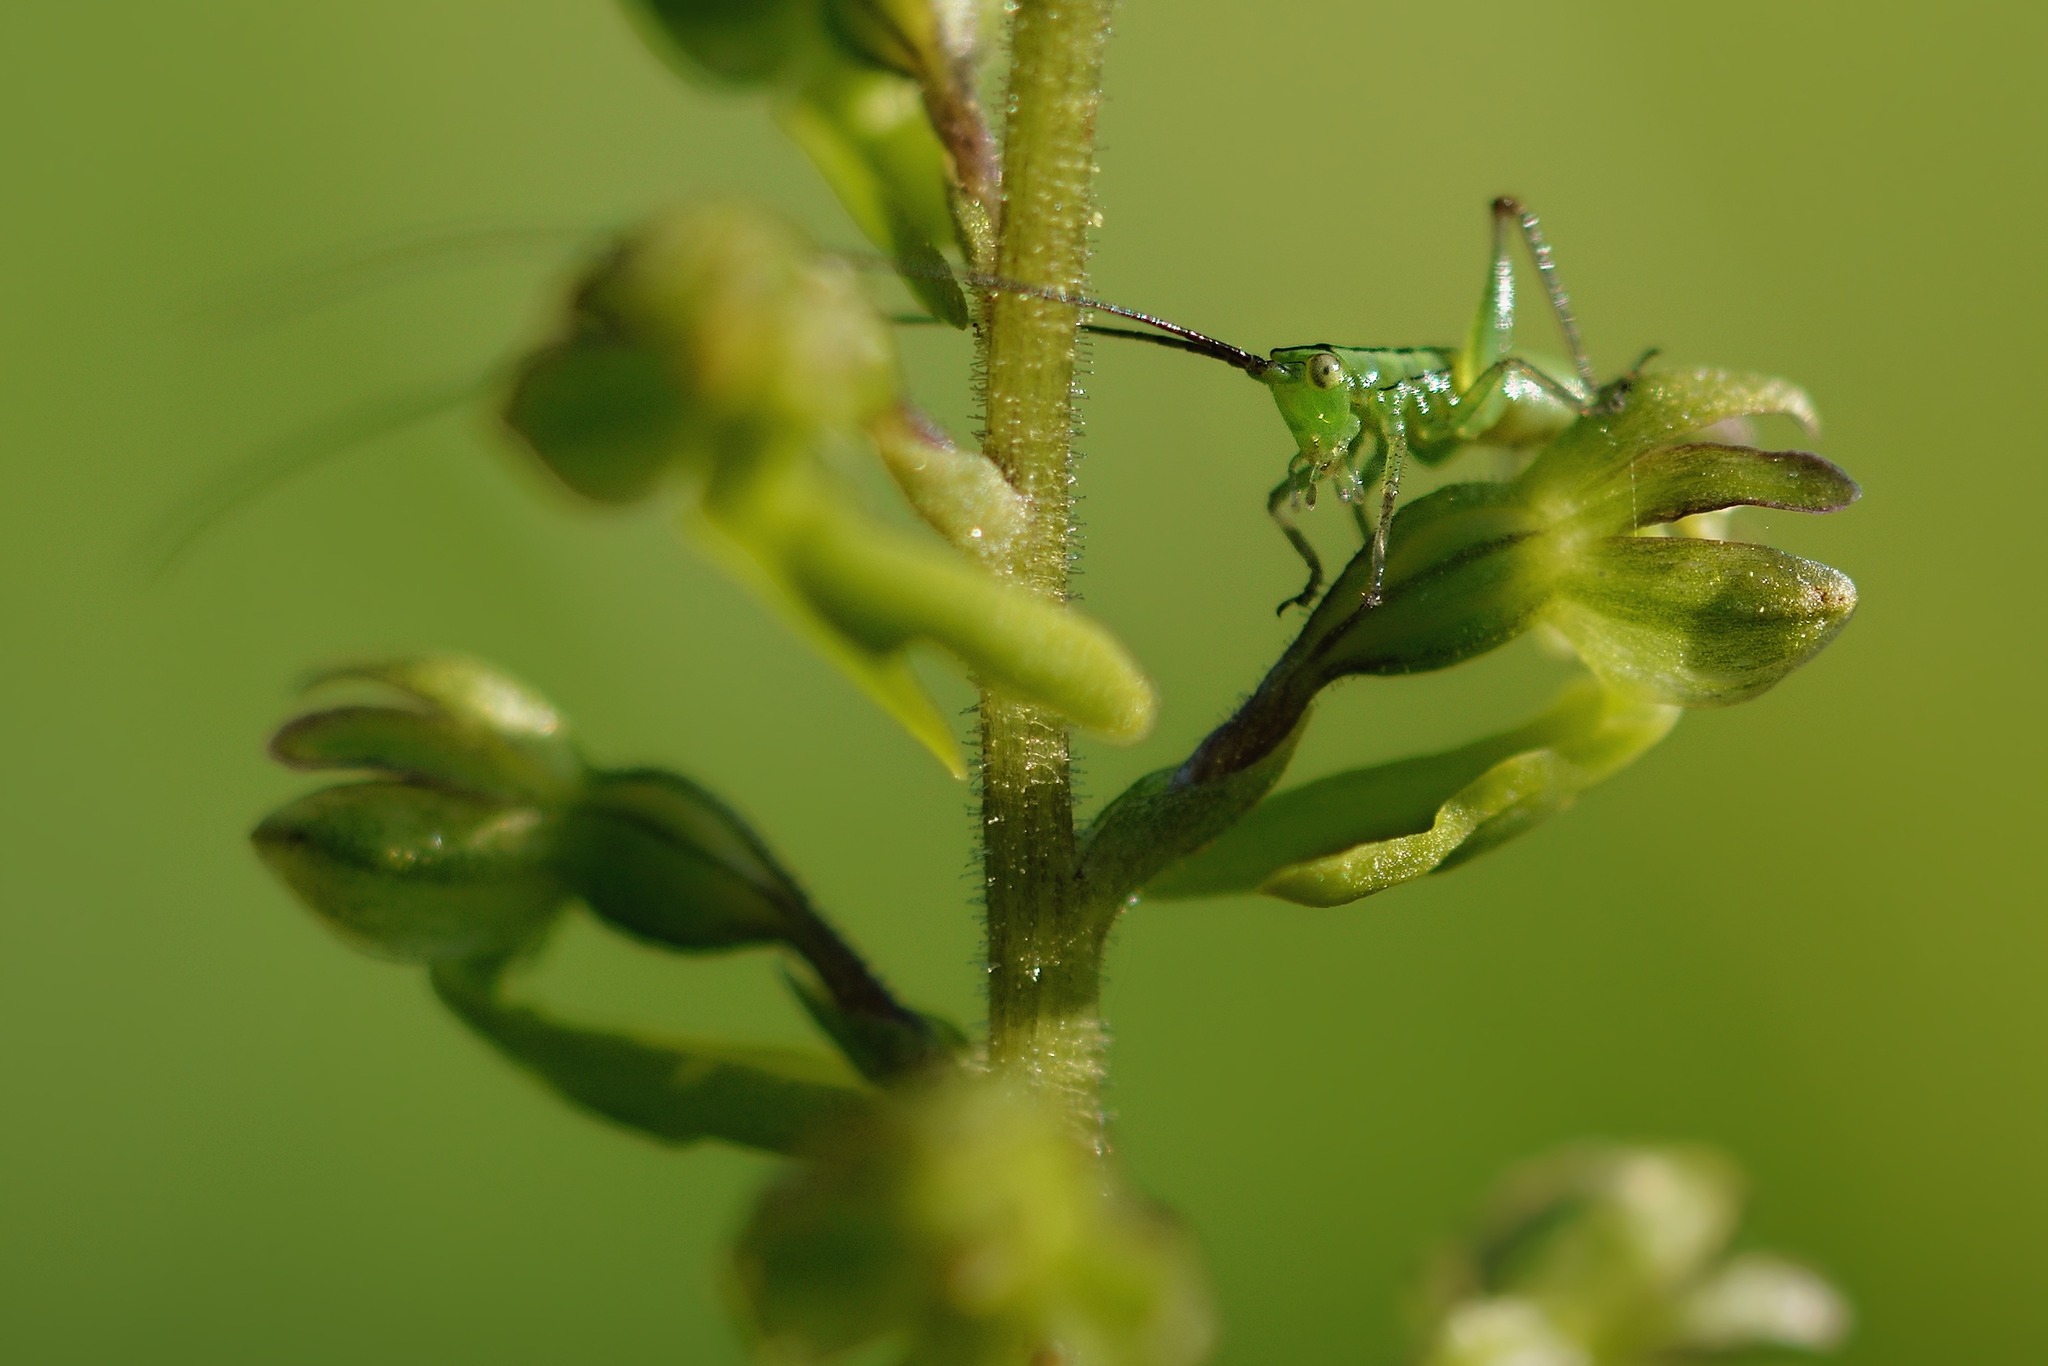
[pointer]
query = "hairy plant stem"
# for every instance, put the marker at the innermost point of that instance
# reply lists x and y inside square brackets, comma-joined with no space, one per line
[1044,969]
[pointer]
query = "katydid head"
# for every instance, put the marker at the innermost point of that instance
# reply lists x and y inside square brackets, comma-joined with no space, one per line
[1313,390]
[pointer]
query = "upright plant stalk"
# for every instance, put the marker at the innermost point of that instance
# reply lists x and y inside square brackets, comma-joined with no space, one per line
[1044,968]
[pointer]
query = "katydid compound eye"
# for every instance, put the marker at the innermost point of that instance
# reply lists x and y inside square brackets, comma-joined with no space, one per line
[1325,372]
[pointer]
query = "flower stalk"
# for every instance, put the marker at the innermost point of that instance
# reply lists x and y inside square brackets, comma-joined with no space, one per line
[1043,966]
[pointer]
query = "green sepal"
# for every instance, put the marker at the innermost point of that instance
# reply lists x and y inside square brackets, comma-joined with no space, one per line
[732,42]
[507,726]
[425,747]
[1353,834]
[883,1046]
[417,873]
[663,859]
[1661,408]
[677,1091]
[1674,482]
[602,413]
[1697,623]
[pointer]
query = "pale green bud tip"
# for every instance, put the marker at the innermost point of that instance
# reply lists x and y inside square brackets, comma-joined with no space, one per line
[964,1221]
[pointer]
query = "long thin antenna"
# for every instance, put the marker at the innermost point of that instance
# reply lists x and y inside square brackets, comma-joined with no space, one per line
[298,288]
[278,464]
[1178,337]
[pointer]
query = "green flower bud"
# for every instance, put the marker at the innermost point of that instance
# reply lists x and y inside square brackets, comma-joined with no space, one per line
[758,330]
[658,856]
[1688,622]
[1614,1255]
[964,1222]
[714,343]
[417,873]
[705,337]
[450,852]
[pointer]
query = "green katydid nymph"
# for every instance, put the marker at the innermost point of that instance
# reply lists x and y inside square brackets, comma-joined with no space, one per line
[1359,413]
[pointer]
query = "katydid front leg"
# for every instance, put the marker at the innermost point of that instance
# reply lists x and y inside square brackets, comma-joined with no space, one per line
[1280,505]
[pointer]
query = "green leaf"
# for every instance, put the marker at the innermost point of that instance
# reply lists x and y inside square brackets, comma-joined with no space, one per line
[657,855]
[1361,832]
[676,1091]
[417,873]
[1697,623]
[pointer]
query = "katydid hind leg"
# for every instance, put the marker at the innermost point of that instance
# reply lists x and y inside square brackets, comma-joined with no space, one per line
[1493,326]
[1505,211]
[1479,410]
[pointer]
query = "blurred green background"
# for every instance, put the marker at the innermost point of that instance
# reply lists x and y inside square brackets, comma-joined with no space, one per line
[1800,929]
